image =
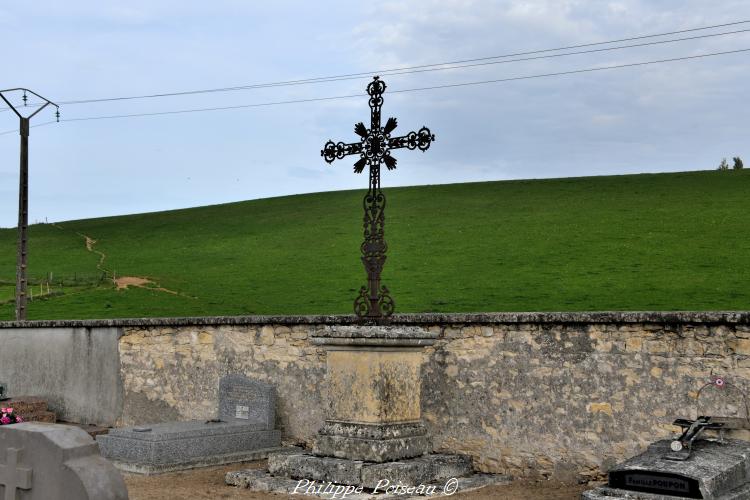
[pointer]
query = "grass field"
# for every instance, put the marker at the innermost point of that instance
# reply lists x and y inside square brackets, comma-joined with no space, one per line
[640,242]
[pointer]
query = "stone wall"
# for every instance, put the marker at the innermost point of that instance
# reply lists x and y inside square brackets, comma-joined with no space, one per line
[536,394]
[76,369]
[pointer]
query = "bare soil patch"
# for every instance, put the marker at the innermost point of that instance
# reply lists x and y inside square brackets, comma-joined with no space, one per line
[208,484]
[125,281]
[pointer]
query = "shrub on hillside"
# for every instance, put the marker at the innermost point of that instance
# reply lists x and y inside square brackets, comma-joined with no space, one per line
[737,163]
[723,165]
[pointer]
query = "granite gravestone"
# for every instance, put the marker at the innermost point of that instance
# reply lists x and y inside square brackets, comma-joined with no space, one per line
[716,470]
[244,431]
[690,466]
[42,461]
[243,400]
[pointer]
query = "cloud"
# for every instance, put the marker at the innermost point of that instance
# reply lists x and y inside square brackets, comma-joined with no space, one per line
[670,116]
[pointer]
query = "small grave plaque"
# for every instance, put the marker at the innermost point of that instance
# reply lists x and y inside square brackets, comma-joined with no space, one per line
[655,482]
[248,401]
[243,412]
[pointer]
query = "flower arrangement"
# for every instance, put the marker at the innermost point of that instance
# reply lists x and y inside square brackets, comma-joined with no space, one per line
[8,417]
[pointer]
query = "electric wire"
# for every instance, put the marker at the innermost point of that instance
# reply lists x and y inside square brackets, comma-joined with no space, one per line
[417,89]
[443,66]
[31,126]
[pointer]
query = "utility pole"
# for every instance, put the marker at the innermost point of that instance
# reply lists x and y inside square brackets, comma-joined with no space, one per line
[23,193]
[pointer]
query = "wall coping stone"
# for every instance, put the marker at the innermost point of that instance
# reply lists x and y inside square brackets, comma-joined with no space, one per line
[384,336]
[603,317]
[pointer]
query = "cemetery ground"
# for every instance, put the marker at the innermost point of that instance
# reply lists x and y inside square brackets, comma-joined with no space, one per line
[208,484]
[672,241]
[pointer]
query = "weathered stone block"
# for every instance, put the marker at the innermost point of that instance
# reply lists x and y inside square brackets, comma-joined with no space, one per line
[422,470]
[305,466]
[408,472]
[372,450]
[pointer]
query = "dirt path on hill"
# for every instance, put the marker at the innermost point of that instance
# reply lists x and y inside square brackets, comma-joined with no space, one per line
[208,484]
[90,242]
[123,282]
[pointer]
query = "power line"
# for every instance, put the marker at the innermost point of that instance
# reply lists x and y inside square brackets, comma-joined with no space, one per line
[30,126]
[482,61]
[418,89]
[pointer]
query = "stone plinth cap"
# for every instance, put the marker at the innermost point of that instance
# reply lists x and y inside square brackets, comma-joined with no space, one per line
[368,335]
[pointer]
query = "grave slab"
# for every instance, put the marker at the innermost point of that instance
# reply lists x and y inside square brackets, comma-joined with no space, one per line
[41,461]
[716,470]
[243,432]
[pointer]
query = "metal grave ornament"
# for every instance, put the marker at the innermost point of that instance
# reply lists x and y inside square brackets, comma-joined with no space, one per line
[374,149]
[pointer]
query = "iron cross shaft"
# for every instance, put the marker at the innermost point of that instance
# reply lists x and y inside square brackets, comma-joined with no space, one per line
[374,149]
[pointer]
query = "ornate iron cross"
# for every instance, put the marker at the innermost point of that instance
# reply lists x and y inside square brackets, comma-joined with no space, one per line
[374,300]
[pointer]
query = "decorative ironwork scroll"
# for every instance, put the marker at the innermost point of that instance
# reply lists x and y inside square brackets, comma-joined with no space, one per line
[374,149]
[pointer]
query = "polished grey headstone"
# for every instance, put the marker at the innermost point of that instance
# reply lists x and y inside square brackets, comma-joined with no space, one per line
[716,470]
[41,461]
[247,401]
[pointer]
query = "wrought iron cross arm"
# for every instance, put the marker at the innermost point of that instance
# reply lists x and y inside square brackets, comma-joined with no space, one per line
[413,140]
[336,151]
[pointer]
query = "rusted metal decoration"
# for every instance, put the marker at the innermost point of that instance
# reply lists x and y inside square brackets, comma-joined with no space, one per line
[374,148]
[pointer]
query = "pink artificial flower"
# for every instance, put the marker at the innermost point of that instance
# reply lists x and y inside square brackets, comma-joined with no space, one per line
[18,419]
[4,420]
[8,410]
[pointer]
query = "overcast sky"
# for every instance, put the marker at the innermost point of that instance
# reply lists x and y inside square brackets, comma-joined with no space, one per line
[664,117]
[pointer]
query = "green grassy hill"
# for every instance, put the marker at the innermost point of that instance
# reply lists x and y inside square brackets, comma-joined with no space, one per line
[638,242]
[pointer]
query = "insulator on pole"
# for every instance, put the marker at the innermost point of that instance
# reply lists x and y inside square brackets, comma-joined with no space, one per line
[24,98]
[57,115]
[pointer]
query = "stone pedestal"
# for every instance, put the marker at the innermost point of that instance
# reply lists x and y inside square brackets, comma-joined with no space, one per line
[373,436]
[374,388]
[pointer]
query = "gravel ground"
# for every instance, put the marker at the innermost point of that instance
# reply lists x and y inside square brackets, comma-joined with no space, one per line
[208,484]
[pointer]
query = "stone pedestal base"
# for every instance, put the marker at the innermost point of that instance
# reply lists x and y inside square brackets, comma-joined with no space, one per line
[414,471]
[372,442]
[314,476]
